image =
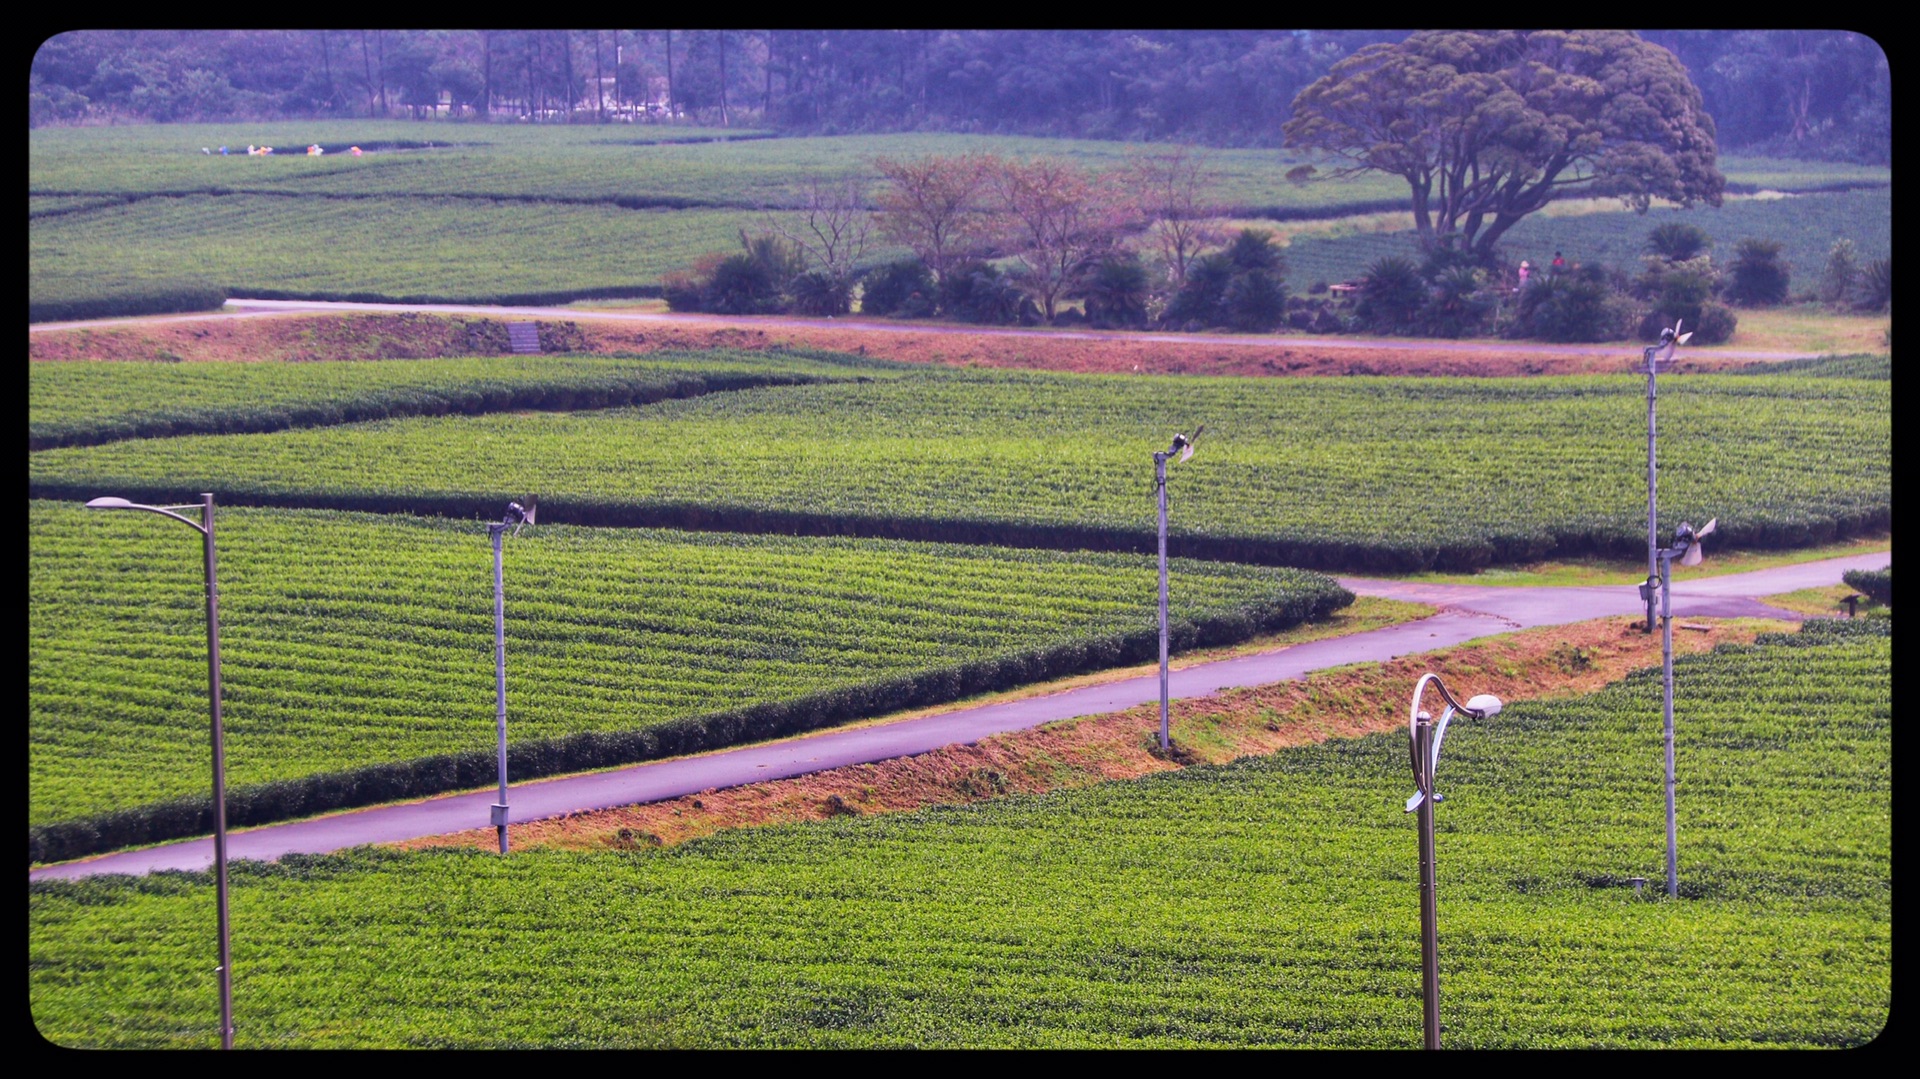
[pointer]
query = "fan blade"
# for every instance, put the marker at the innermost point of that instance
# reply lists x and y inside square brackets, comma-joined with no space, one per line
[1692,557]
[1707,529]
[1196,433]
[1186,452]
[1682,339]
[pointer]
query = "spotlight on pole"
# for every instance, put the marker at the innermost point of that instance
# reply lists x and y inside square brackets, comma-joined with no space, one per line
[1686,547]
[1183,446]
[518,515]
[204,526]
[1423,744]
[1651,358]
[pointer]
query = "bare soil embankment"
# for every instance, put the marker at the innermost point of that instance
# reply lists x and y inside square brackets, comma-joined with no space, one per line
[325,337]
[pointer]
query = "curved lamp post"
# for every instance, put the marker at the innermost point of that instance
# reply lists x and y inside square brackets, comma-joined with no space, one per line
[1651,359]
[1686,547]
[1423,743]
[517,516]
[1183,446]
[204,526]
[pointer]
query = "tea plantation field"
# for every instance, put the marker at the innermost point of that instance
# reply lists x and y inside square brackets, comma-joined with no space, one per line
[498,214]
[1806,225]
[359,666]
[85,403]
[1272,902]
[1381,474]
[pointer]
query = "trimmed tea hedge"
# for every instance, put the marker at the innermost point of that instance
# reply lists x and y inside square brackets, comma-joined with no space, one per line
[157,299]
[1361,474]
[1273,902]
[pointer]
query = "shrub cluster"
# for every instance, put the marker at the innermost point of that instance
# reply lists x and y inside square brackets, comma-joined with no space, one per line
[1877,584]
[1241,288]
[767,276]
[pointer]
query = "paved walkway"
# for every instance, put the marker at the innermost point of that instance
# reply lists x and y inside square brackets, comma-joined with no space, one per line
[1466,612]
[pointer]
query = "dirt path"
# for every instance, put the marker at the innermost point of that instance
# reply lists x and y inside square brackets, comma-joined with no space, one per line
[301,330]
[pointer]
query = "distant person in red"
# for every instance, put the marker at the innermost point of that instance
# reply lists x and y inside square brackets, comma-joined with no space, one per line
[1559,265]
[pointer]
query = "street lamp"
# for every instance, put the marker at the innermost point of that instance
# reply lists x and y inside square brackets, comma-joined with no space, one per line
[1183,446]
[1686,546]
[205,527]
[1423,743]
[517,516]
[1669,340]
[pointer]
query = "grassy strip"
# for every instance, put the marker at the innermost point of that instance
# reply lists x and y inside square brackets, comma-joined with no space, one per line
[1303,472]
[1270,902]
[83,404]
[1347,702]
[358,651]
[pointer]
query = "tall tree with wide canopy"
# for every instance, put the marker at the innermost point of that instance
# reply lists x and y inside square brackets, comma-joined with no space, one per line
[1487,127]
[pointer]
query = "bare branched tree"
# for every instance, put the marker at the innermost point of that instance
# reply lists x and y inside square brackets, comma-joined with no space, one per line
[831,228]
[1174,190]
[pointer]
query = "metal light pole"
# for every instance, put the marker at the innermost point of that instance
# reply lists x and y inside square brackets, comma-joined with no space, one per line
[1686,545]
[1184,447]
[517,516]
[1669,340]
[205,527]
[1423,744]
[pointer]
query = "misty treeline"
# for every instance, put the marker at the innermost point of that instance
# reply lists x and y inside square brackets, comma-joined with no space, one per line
[1801,93]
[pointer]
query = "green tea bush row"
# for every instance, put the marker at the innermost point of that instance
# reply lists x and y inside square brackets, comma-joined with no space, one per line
[82,404]
[1806,225]
[1866,366]
[1307,472]
[1272,902]
[359,663]
[389,249]
[151,298]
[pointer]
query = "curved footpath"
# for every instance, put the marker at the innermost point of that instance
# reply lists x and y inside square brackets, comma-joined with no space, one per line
[241,308]
[1466,612]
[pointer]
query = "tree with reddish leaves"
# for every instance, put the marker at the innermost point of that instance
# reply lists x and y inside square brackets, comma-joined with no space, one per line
[1058,220]
[935,205]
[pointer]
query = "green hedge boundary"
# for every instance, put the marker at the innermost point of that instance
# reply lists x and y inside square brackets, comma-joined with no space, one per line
[640,388]
[548,298]
[1468,554]
[287,799]
[165,300]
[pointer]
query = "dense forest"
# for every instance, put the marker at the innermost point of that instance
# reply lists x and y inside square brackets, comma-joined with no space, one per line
[1796,93]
